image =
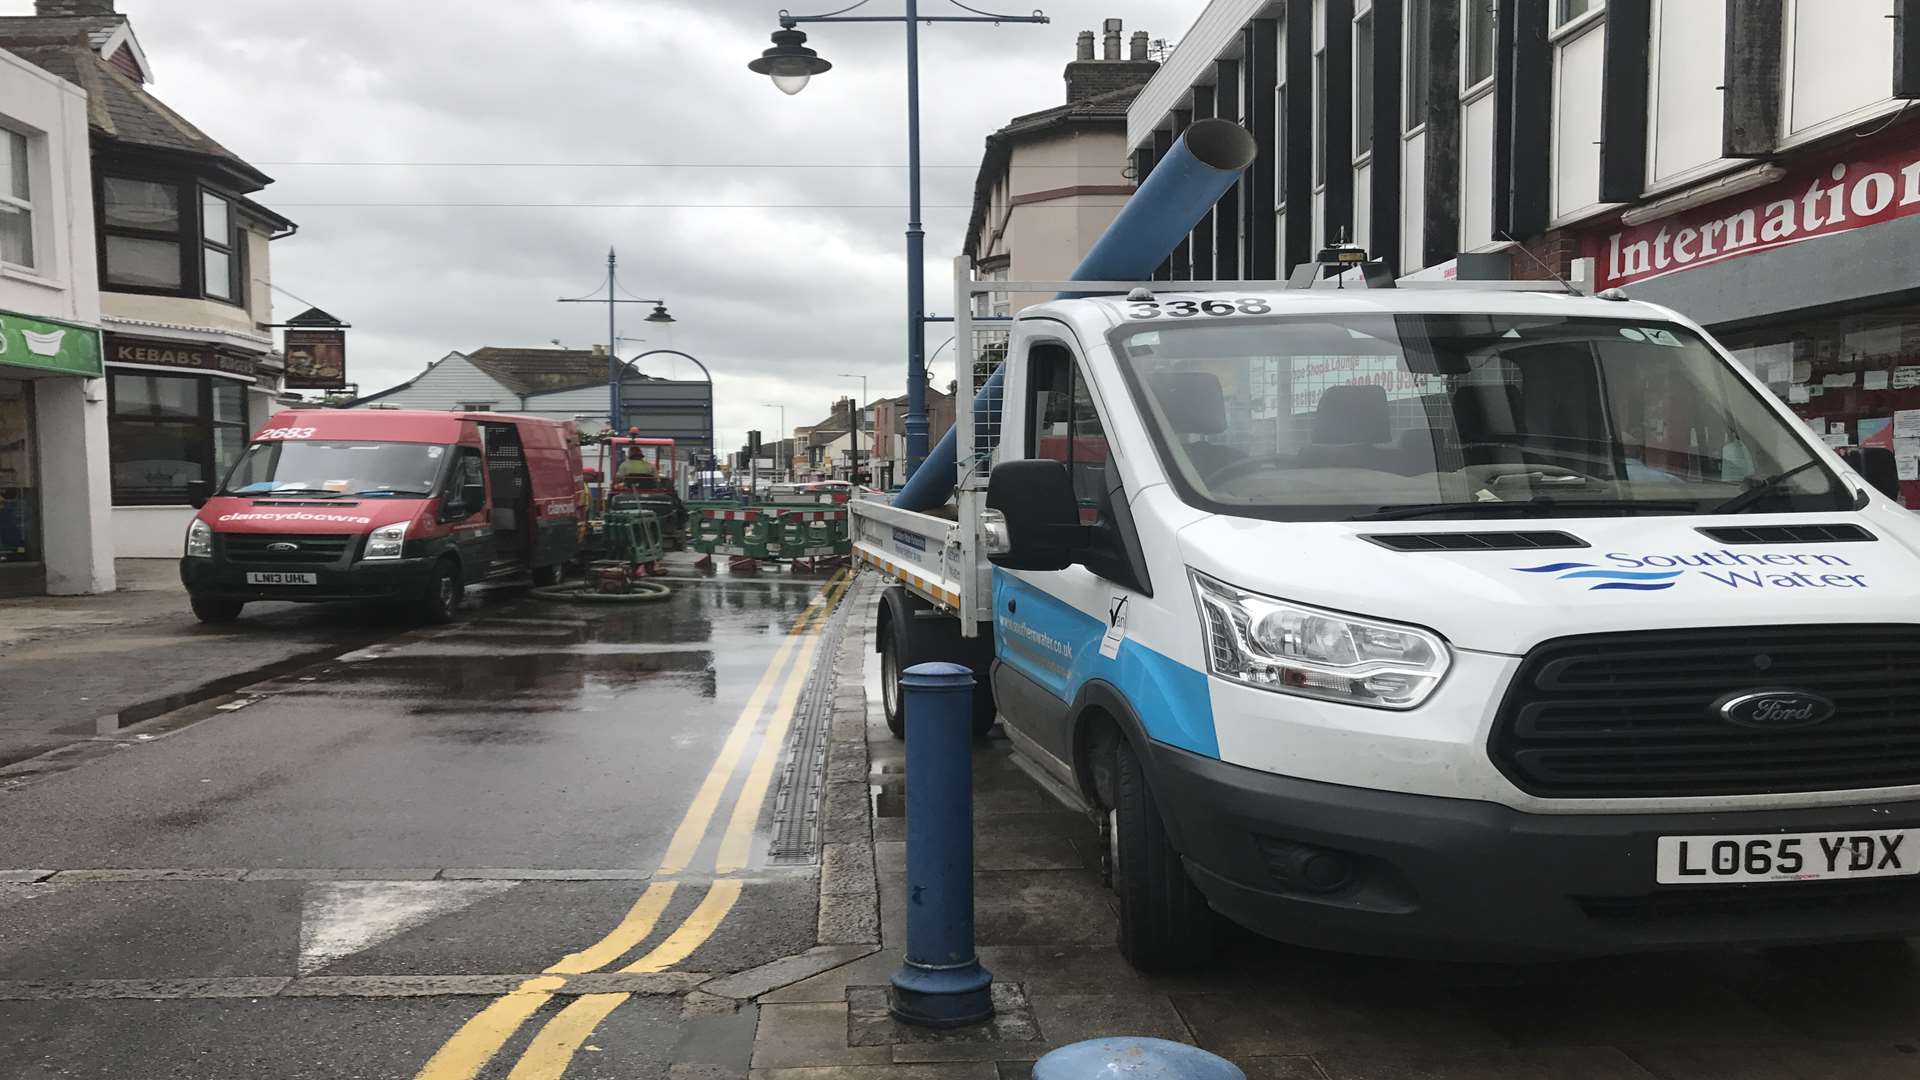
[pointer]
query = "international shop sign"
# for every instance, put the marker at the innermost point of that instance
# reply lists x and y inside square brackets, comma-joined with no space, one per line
[1813,199]
[48,346]
[316,351]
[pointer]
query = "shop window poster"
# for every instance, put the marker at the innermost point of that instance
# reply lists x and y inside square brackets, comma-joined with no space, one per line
[1906,377]
[1906,424]
[1873,380]
[1876,431]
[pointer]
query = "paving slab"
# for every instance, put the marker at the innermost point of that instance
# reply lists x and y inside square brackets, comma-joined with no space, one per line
[1677,1009]
[1072,1018]
[1241,1025]
[870,1024]
[810,1034]
[951,1071]
[786,971]
[1558,1063]
[1780,1061]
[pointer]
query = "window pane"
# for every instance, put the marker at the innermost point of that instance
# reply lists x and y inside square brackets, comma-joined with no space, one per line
[1319,118]
[13,164]
[1479,15]
[16,235]
[156,395]
[219,274]
[229,402]
[1417,57]
[1363,85]
[151,264]
[1570,10]
[213,219]
[1280,147]
[141,204]
[229,442]
[156,460]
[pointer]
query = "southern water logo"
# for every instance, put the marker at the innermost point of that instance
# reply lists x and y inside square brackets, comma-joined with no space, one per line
[1726,567]
[1634,580]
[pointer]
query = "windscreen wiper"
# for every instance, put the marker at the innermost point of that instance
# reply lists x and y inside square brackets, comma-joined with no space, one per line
[388,491]
[1543,505]
[1761,489]
[305,493]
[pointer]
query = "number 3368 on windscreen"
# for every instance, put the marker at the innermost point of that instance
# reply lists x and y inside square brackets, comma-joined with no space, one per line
[1187,309]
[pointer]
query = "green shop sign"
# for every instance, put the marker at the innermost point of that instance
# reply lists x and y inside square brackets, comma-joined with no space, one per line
[48,346]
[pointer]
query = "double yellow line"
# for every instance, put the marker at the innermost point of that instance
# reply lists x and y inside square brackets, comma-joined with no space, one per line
[479,1040]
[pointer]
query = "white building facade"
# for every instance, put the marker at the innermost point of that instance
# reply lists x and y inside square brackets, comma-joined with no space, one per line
[55,506]
[1755,165]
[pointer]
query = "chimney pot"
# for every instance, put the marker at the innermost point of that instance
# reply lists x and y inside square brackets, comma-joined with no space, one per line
[1111,51]
[599,350]
[54,9]
[1085,49]
[1138,47]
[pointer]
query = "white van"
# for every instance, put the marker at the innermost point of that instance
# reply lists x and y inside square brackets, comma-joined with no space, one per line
[1467,621]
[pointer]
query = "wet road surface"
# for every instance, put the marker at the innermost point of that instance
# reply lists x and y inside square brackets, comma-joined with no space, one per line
[419,856]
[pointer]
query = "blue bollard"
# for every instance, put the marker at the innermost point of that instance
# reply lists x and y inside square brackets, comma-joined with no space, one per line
[941,984]
[1135,1059]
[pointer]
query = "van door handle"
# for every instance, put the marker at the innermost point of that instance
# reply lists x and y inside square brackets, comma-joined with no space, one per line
[1012,607]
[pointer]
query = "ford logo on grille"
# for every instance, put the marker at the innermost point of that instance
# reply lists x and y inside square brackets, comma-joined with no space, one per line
[283,546]
[1777,710]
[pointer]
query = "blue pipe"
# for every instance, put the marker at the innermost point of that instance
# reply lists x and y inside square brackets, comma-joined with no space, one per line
[1205,161]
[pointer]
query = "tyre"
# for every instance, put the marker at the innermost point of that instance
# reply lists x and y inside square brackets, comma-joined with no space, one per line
[440,603]
[890,696]
[216,609]
[548,575]
[984,714]
[1165,923]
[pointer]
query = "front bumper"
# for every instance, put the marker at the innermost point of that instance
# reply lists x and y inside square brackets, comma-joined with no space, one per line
[1466,879]
[381,580]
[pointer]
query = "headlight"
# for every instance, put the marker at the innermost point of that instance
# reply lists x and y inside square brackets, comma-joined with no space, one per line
[386,541]
[199,540]
[1293,649]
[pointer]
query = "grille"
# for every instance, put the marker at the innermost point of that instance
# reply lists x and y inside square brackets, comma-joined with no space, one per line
[1625,715]
[1767,899]
[309,550]
[1789,534]
[1476,541]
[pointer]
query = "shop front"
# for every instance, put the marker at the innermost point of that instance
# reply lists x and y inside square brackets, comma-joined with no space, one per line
[178,416]
[44,366]
[1811,277]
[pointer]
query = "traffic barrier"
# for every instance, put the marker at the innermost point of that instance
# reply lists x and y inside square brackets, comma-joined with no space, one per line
[634,537]
[941,982]
[739,534]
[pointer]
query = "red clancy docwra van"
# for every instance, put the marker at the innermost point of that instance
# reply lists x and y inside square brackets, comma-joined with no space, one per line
[385,504]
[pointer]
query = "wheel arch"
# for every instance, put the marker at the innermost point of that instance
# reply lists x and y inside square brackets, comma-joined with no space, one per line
[1100,711]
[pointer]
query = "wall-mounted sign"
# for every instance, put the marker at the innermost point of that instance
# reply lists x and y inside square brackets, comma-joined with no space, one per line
[316,359]
[156,352]
[48,346]
[1815,198]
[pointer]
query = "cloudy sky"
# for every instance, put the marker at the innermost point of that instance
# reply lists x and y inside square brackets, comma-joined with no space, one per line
[771,225]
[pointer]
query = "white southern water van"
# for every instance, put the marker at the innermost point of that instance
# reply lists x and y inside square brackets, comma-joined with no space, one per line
[1469,621]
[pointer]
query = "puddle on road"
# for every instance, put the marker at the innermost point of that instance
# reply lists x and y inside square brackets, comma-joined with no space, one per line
[535,681]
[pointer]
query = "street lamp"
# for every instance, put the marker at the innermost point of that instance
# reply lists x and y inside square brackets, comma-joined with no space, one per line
[659,315]
[791,64]
[786,466]
[859,414]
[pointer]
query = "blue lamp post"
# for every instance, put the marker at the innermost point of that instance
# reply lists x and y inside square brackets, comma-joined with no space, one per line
[791,64]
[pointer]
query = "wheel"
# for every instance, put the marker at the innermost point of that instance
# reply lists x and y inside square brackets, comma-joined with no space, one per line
[441,602]
[216,609]
[890,697]
[548,575]
[1165,923]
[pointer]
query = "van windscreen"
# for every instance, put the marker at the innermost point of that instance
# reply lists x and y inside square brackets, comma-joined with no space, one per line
[1462,415]
[333,468]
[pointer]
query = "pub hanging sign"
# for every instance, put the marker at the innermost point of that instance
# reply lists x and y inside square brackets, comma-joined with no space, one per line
[316,351]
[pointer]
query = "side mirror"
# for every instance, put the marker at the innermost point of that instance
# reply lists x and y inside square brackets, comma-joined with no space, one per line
[472,498]
[198,492]
[1042,514]
[1877,465]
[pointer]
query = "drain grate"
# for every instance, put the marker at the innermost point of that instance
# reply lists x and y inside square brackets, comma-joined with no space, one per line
[803,777]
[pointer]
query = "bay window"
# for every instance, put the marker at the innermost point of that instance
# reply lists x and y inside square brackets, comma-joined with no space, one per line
[169,237]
